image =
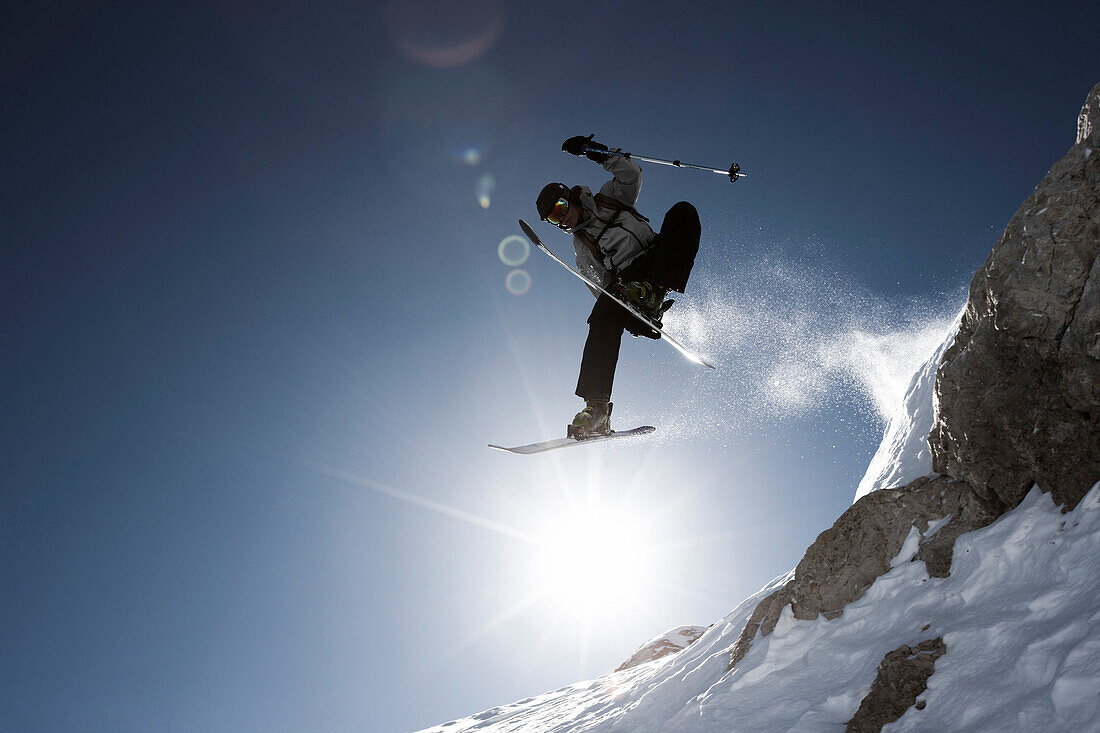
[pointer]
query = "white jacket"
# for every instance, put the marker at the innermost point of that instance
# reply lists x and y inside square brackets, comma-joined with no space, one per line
[624,235]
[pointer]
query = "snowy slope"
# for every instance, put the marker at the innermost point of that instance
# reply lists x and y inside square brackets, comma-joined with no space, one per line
[651,691]
[1018,614]
[903,454]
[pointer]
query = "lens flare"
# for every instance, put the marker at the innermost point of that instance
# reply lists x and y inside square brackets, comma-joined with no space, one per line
[485,186]
[513,250]
[449,34]
[518,282]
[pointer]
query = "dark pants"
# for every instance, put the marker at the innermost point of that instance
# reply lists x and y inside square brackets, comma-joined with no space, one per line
[666,264]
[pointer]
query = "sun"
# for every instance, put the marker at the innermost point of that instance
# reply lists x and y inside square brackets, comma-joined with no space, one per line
[595,562]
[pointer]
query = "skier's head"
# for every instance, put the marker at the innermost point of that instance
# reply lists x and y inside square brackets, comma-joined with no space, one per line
[552,202]
[558,205]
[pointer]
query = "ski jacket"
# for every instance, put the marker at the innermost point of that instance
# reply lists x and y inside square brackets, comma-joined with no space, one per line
[613,237]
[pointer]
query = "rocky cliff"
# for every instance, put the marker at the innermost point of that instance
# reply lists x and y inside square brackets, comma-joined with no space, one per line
[1017,403]
[1018,394]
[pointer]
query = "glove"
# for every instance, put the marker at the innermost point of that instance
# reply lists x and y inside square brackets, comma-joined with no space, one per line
[576,144]
[636,328]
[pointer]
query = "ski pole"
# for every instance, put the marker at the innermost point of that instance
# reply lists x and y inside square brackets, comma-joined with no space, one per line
[734,171]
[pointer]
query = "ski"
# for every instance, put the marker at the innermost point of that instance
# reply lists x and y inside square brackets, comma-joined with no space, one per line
[546,445]
[689,355]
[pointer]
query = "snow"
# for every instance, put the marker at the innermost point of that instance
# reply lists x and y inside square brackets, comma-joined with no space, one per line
[908,548]
[1018,614]
[936,525]
[903,454]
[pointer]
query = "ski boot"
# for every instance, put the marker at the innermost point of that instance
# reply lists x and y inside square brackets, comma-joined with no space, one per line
[593,420]
[647,298]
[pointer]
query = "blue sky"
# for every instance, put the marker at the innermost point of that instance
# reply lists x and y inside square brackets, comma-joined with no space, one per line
[257,334]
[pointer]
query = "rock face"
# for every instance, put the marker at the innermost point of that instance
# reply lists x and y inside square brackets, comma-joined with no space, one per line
[902,677]
[1017,401]
[844,561]
[670,642]
[1018,394]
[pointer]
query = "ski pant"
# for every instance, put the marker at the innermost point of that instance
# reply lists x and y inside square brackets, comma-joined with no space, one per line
[666,264]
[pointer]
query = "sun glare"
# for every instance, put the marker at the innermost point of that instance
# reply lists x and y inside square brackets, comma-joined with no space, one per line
[594,564]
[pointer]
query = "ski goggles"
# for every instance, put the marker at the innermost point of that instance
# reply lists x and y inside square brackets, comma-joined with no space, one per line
[558,211]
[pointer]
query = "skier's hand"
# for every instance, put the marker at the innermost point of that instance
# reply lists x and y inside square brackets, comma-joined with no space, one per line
[576,146]
[636,328]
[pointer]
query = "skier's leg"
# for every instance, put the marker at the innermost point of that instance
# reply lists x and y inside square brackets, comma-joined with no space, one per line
[674,250]
[601,350]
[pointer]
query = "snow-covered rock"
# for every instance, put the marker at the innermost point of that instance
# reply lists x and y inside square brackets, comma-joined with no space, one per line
[670,642]
[864,543]
[902,677]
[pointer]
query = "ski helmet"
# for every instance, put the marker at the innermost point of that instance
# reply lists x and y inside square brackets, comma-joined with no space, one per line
[549,196]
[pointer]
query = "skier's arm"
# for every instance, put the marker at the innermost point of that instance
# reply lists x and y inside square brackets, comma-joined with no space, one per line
[627,181]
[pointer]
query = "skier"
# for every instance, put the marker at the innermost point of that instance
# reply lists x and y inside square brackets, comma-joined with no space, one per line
[616,248]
